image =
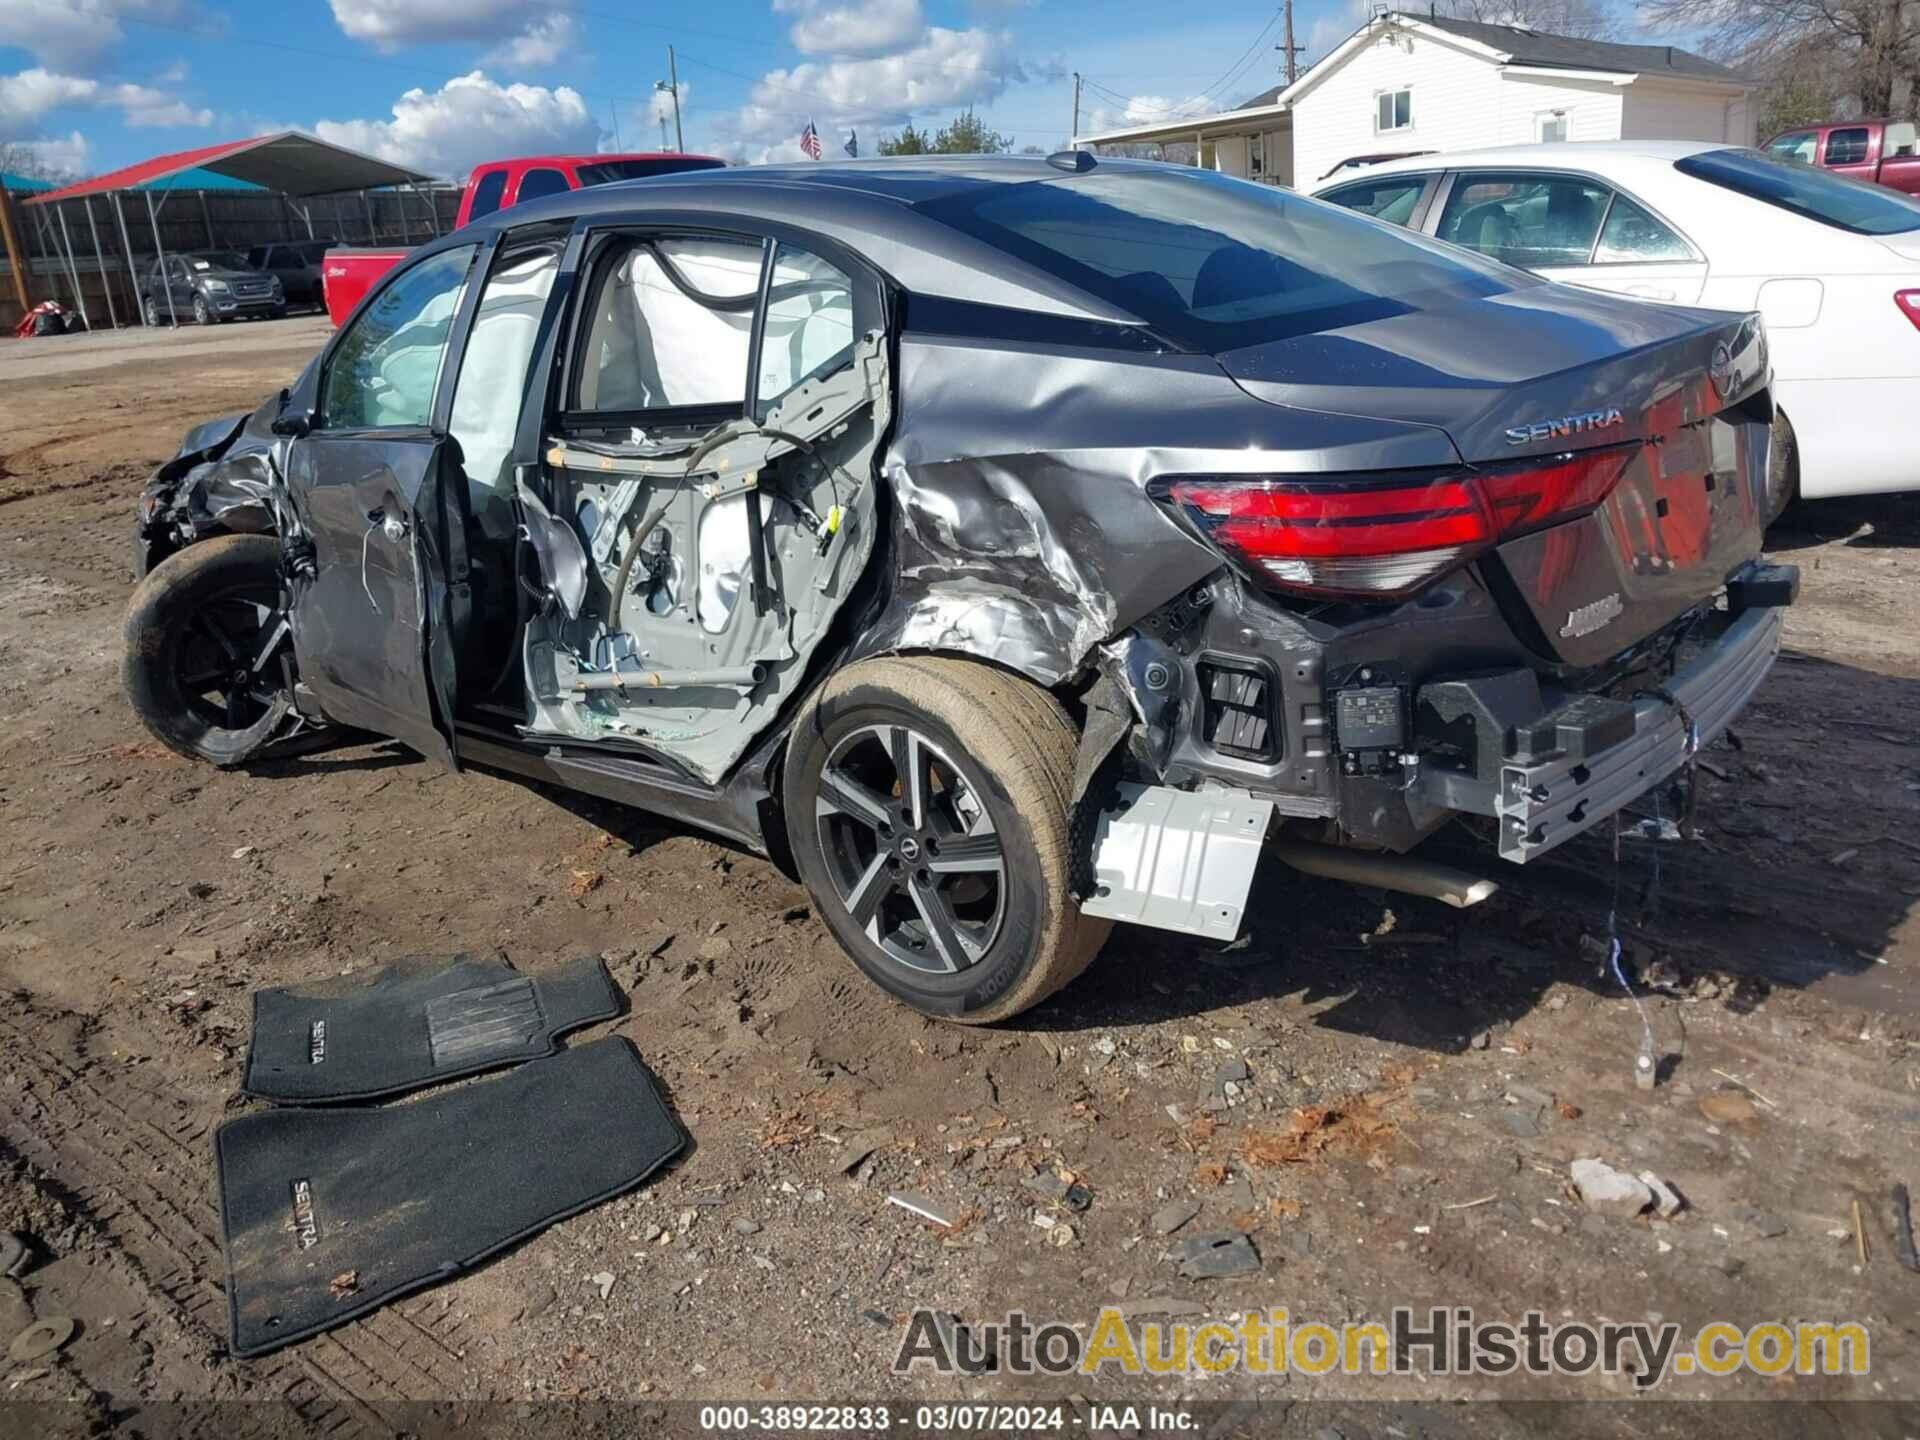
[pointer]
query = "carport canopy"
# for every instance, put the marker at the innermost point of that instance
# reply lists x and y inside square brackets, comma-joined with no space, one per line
[290,162]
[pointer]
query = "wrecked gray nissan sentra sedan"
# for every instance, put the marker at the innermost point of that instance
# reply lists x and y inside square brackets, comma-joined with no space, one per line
[1008,546]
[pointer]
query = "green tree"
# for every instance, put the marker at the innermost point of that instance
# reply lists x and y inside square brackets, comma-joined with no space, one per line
[908,142]
[967,135]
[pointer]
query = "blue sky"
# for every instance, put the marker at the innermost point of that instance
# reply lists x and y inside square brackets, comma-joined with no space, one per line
[89,85]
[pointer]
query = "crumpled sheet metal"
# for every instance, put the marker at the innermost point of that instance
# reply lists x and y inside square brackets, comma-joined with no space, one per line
[1022,530]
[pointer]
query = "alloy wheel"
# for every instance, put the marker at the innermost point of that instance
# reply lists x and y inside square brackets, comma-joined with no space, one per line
[911,849]
[229,660]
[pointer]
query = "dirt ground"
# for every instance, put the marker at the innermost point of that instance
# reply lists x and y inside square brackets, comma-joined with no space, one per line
[1418,1079]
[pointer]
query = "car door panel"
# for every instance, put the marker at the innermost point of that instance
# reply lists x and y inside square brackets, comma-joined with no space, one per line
[747,532]
[365,626]
[377,492]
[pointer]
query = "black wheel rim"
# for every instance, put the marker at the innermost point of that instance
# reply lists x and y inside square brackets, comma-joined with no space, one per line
[231,658]
[911,849]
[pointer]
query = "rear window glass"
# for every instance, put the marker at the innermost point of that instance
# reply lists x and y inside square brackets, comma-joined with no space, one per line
[537,184]
[1213,263]
[606,171]
[1830,199]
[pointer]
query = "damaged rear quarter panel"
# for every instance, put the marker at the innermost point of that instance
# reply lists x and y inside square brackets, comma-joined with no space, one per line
[1022,531]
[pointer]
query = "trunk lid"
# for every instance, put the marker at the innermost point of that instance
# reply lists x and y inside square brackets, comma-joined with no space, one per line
[1546,370]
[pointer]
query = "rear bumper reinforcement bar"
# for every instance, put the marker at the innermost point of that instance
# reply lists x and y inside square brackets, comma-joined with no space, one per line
[1544,805]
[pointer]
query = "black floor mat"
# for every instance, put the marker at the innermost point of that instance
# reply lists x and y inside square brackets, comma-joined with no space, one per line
[416,1023]
[327,1214]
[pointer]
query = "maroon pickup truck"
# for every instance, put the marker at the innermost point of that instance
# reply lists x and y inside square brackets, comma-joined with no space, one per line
[1878,150]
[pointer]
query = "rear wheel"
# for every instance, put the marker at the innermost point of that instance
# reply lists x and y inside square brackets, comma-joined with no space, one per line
[928,809]
[152,312]
[209,652]
[1783,468]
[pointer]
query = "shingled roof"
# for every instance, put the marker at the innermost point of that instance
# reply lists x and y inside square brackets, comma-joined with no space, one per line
[1558,52]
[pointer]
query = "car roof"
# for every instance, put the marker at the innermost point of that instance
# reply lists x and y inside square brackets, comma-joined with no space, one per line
[865,205]
[520,162]
[1558,154]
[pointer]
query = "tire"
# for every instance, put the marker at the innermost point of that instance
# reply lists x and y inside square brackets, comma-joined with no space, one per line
[1783,469]
[997,777]
[151,312]
[218,583]
[201,314]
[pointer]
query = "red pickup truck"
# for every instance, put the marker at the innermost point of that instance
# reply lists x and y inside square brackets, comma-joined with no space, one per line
[348,272]
[1882,151]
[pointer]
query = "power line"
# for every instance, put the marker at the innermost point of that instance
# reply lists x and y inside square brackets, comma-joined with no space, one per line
[1231,76]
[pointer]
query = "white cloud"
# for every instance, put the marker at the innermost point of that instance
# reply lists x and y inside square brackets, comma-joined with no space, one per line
[31,95]
[54,157]
[541,44]
[523,32]
[864,27]
[470,119]
[1146,110]
[72,34]
[947,70]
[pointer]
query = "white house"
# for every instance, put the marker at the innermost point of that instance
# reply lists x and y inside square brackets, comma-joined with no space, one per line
[1412,82]
[1405,82]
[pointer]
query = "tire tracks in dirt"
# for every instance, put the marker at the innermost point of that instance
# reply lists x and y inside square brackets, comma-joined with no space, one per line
[139,1162]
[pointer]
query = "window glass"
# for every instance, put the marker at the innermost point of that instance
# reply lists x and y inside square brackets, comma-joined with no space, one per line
[1394,110]
[1896,140]
[493,371]
[1797,146]
[486,194]
[603,172]
[543,181]
[671,326]
[1385,199]
[1216,263]
[1527,220]
[383,371]
[809,323]
[257,257]
[1847,147]
[1835,200]
[1633,236]
[1551,127]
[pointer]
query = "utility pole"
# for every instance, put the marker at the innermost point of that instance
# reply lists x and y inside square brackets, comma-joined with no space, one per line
[16,252]
[1291,50]
[673,74]
[1076,107]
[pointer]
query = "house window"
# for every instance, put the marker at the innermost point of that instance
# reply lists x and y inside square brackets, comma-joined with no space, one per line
[1551,125]
[1257,156]
[1393,110]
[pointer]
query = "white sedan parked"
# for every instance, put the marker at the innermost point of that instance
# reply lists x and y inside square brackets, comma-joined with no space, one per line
[1833,266]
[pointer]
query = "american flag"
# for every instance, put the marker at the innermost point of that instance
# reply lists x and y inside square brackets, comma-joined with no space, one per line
[810,141]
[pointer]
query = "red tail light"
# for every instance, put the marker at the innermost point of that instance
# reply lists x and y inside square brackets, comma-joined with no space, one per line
[1388,535]
[1909,303]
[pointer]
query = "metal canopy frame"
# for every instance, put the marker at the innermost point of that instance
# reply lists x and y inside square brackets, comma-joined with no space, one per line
[291,163]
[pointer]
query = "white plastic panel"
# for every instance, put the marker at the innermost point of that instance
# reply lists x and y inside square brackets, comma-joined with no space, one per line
[1178,861]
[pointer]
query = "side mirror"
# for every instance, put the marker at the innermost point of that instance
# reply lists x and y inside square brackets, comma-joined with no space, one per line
[289,422]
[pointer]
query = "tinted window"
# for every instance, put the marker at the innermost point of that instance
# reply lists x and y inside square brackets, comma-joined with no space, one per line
[1530,220]
[1847,147]
[258,257]
[536,183]
[671,324]
[1385,199]
[386,365]
[607,171]
[1797,146]
[218,260]
[1214,263]
[487,192]
[1831,199]
[311,251]
[1632,236]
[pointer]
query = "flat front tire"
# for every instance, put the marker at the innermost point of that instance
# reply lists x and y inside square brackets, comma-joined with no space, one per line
[928,808]
[208,651]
